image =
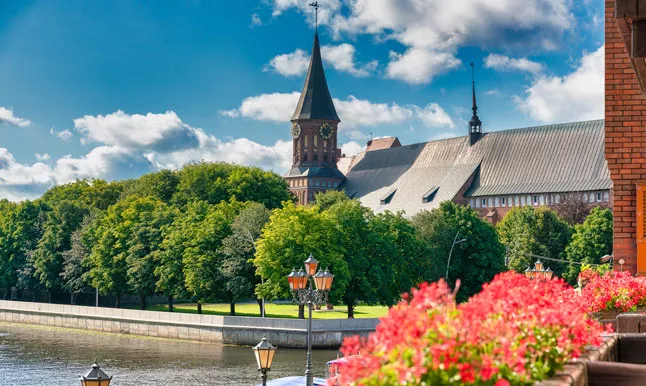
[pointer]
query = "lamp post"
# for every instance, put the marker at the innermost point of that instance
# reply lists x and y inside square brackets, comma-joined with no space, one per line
[539,272]
[96,377]
[264,352]
[301,287]
[455,242]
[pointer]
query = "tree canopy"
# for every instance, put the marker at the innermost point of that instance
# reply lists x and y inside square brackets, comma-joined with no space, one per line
[528,232]
[477,255]
[590,241]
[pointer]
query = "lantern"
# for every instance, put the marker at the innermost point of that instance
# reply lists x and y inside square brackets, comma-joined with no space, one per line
[300,279]
[323,280]
[96,377]
[539,265]
[264,352]
[291,279]
[310,265]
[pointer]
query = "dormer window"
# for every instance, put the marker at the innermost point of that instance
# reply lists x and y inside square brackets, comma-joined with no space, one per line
[430,195]
[385,200]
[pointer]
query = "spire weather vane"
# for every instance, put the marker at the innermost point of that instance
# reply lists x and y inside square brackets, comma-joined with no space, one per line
[316,13]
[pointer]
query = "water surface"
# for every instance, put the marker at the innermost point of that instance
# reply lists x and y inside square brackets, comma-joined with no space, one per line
[39,355]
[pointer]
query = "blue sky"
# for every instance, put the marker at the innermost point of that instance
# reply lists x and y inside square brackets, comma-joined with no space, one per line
[118,88]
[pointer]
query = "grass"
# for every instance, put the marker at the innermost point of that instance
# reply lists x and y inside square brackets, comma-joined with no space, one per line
[275,310]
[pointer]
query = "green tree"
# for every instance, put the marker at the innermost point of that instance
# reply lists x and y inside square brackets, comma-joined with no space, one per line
[120,259]
[255,184]
[527,231]
[148,217]
[239,249]
[93,193]
[161,184]
[21,226]
[48,260]
[360,248]
[327,199]
[203,182]
[401,254]
[590,241]
[292,234]
[474,261]
[203,258]
[74,272]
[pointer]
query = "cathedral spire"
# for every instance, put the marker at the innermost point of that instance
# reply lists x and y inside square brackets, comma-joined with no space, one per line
[315,101]
[475,125]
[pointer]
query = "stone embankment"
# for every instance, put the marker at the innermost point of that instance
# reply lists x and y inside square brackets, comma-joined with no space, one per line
[204,328]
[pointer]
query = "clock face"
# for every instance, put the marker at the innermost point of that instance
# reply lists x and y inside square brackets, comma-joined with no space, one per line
[296,130]
[326,130]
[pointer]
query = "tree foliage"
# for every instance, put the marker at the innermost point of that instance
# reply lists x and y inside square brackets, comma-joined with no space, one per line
[474,261]
[527,232]
[590,241]
[292,234]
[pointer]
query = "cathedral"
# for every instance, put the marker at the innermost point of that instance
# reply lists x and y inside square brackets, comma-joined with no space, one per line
[492,172]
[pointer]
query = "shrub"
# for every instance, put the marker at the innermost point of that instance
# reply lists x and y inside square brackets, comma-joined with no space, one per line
[515,332]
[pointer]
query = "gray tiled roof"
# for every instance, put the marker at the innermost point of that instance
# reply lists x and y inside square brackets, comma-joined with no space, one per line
[548,159]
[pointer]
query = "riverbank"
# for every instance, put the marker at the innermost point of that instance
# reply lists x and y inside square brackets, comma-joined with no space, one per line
[40,355]
[248,331]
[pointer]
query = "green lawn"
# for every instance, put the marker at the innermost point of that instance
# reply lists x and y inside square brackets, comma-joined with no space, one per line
[276,310]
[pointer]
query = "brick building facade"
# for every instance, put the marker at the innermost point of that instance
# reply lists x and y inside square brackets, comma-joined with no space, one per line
[625,111]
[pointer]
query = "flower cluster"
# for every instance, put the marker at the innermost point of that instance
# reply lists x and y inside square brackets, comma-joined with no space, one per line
[614,291]
[515,332]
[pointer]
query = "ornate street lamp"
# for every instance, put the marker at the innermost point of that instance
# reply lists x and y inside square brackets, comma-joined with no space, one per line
[301,287]
[264,352]
[539,272]
[96,377]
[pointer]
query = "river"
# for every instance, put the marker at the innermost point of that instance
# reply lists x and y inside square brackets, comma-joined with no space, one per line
[38,355]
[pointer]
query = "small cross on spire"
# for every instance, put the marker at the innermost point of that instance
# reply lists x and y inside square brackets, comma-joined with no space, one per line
[316,13]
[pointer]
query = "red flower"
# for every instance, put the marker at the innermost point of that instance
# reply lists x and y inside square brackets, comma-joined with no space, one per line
[504,335]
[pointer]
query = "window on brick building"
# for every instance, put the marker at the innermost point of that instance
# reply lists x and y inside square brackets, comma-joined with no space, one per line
[484,202]
[305,158]
[535,199]
[325,158]
[315,157]
[503,201]
[599,197]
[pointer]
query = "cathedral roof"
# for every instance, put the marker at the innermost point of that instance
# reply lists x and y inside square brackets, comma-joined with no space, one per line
[547,159]
[315,101]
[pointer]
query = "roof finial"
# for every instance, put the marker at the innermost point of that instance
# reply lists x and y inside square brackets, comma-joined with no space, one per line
[473,83]
[316,15]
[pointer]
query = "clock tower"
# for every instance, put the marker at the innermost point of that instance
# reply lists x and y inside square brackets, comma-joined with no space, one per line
[314,136]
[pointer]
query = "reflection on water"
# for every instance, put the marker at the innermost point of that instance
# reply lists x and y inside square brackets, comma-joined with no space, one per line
[37,355]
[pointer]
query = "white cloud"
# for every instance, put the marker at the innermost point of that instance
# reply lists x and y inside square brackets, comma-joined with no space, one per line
[7,117]
[64,135]
[161,132]
[354,112]
[121,155]
[292,64]
[420,65]
[351,148]
[340,57]
[428,28]
[255,20]
[435,116]
[494,91]
[573,97]
[505,63]
[275,107]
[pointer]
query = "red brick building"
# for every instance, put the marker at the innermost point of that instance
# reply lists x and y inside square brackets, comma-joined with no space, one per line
[625,72]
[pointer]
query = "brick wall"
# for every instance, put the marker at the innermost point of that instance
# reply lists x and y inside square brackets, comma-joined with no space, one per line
[625,114]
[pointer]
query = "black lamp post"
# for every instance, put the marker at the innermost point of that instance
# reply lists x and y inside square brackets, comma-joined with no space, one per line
[96,377]
[301,287]
[264,352]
